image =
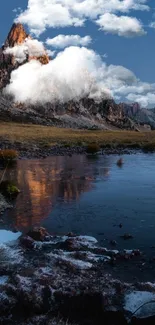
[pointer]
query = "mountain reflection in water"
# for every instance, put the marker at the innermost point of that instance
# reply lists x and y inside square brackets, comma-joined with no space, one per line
[89,196]
[45,182]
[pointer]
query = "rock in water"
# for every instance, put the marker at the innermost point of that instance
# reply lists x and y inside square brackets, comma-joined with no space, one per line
[38,234]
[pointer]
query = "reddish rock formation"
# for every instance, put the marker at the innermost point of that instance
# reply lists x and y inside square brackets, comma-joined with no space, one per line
[38,234]
[16,36]
[44,59]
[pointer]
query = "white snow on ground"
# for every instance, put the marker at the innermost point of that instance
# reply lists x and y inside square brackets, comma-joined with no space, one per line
[4,204]
[96,258]
[83,260]
[7,236]
[152,285]
[45,270]
[78,263]
[3,296]
[3,279]
[78,241]
[128,251]
[25,282]
[82,265]
[10,254]
[88,239]
[137,299]
[53,241]
[89,257]
[111,251]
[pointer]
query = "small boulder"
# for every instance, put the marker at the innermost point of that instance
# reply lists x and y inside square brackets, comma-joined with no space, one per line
[113,242]
[38,234]
[27,242]
[127,236]
[71,234]
[120,162]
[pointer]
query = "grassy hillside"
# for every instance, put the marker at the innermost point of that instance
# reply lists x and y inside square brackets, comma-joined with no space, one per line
[44,135]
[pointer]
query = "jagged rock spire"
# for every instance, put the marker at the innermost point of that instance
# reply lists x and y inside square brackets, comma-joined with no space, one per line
[16,36]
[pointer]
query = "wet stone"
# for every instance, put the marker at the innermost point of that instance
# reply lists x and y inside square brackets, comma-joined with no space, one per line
[38,234]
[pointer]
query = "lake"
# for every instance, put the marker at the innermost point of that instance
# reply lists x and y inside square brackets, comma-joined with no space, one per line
[88,196]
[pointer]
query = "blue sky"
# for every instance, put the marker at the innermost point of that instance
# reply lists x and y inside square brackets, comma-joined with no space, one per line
[134,53]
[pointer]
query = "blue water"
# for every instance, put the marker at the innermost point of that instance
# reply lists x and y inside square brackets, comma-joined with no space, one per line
[88,196]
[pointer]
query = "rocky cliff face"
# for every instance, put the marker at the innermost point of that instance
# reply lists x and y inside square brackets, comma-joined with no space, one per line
[16,37]
[139,114]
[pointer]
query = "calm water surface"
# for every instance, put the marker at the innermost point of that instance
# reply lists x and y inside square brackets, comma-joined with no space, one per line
[87,196]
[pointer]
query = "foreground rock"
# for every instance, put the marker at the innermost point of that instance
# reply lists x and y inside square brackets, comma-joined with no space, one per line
[16,37]
[43,281]
[4,204]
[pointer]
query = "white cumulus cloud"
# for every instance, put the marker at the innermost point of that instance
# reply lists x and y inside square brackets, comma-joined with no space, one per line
[71,75]
[152,24]
[122,26]
[75,73]
[143,100]
[28,47]
[62,41]
[41,14]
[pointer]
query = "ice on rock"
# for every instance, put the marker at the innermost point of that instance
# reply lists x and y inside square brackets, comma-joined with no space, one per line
[141,301]
[63,256]
[3,279]
[7,236]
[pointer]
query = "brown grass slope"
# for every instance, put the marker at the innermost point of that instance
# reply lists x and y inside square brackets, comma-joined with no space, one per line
[26,133]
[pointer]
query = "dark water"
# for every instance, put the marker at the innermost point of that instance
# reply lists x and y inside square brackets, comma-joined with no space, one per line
[88,196]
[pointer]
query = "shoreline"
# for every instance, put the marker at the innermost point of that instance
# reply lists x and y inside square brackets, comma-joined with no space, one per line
[51,277]
[54,280]
[4,205]
[35,151]
[46,140]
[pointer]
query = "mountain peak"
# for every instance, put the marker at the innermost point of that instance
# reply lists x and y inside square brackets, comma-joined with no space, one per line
[16,36]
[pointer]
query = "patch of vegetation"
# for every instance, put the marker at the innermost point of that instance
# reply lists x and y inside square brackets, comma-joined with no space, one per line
[8,156]
[9,189]
[45,145]
[133,145]
[149,147]
[81,143]
[93,148]
[67,145]
[106,145]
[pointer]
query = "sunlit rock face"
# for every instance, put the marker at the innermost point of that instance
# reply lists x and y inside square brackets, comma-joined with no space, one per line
[16,37]
[44,185]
